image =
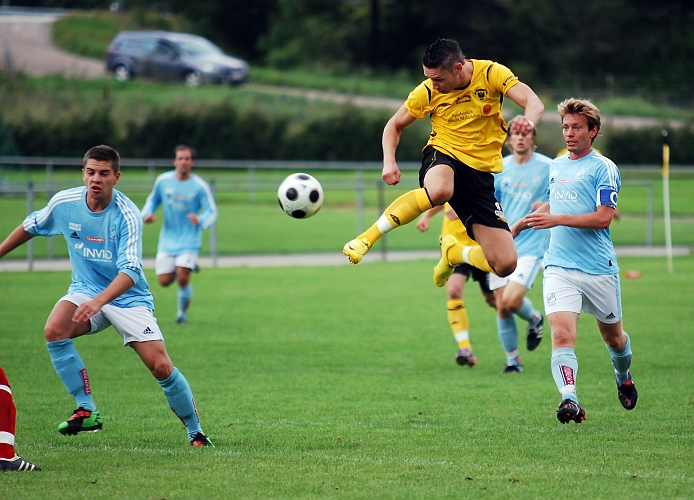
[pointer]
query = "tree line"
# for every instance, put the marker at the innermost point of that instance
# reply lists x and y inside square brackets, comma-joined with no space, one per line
[595,43]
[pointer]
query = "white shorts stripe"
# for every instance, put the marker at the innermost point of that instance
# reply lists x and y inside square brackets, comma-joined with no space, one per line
[5,388]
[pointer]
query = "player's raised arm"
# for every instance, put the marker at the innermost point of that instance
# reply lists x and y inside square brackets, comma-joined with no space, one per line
[209,208]
[390,140]
[533,108]
[15,239]
[152,204]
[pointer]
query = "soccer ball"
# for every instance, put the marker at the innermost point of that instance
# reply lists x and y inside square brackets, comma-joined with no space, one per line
[300,196]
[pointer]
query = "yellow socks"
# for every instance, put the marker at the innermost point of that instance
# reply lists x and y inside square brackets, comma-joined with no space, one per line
[402,211]
[473,255]
[459,321]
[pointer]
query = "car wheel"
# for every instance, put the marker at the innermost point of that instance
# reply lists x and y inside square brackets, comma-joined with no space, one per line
[122,73]
[192,79]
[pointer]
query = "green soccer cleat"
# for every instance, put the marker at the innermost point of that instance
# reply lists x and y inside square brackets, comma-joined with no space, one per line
[356,249]
[444,269]
[82,420]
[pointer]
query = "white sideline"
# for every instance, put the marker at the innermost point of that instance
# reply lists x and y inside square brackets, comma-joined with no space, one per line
[310,259]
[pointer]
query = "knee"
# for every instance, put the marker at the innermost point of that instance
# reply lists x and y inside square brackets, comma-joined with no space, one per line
[52,333]
[164,280]
[562,337]
[439,194]
[161,368]
[455,294]
[183,282]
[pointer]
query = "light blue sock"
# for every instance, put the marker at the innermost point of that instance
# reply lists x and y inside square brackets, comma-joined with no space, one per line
[527,311]
[180,397]
[184,295]
[70,368]
[564,366]
[621,361]
[508,334]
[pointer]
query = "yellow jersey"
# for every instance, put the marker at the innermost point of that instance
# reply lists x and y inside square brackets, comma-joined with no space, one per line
[456,228]
[467,123]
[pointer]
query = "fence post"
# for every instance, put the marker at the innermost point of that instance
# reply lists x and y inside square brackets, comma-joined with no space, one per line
[151,170]
[213,230]
[30,209]
[381,209]
[360,201]
[49,191]
[251,185]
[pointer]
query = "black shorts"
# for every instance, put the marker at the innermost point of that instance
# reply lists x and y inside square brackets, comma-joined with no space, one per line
[473,192]
[481,277]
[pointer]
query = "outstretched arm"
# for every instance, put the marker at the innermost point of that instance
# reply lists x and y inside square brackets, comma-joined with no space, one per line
[391,138]
[16,238]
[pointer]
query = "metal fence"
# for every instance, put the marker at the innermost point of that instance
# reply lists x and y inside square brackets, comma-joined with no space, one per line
[252,185]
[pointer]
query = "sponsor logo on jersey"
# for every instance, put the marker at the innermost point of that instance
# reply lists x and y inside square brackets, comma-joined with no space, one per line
[551,299]
[565,195]
[74,227]
[567,374]
[112,233]
[75,235]
[481,94]
[610,316]
[79,246]
[95,239]
[580,175]
[509,79]
[564,181]
[395,219]
[463,98]
[486,109]
[98,254]
[148,331]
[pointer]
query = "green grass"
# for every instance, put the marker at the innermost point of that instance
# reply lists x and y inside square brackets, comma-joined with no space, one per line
[245,228]
[312,390]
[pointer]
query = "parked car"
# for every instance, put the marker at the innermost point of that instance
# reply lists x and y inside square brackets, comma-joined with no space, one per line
[163,55]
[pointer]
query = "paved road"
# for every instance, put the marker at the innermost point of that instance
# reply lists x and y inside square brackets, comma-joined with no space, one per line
[311,259]
[25,44]
[27,40]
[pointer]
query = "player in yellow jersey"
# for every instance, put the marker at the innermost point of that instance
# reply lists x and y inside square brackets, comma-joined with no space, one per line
[457,313]
[463,98]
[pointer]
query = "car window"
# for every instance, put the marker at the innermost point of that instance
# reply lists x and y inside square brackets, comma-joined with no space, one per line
[163,50]
[198,47]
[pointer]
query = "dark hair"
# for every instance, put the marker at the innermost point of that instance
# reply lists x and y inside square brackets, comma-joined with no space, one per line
[103,153]
[443,53]
[182,147]
[582,107]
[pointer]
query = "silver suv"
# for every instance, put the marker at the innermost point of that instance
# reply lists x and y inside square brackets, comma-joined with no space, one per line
[163,55]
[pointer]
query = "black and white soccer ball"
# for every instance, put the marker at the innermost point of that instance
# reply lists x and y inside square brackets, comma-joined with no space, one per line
[300,196]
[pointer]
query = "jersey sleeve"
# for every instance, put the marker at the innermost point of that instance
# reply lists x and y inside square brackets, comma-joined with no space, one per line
[501,78]
[607,183]
[208,206]
[418,103]
[43,222]
[153,200]
[130,244]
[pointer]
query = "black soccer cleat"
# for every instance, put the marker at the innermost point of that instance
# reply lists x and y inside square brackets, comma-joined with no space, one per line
[627,394]
[17,464]
[534,335]
[513,369]
[569,410]
[200,440]
[82,420]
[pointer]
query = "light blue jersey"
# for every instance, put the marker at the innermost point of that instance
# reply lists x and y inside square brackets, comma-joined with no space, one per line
[101,244]
[180,198]
[579,187]
[517,188]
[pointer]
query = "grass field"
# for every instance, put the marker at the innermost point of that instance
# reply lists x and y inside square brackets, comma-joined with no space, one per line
[310,389]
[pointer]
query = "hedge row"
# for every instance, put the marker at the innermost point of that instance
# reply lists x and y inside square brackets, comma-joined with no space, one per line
[222,132]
